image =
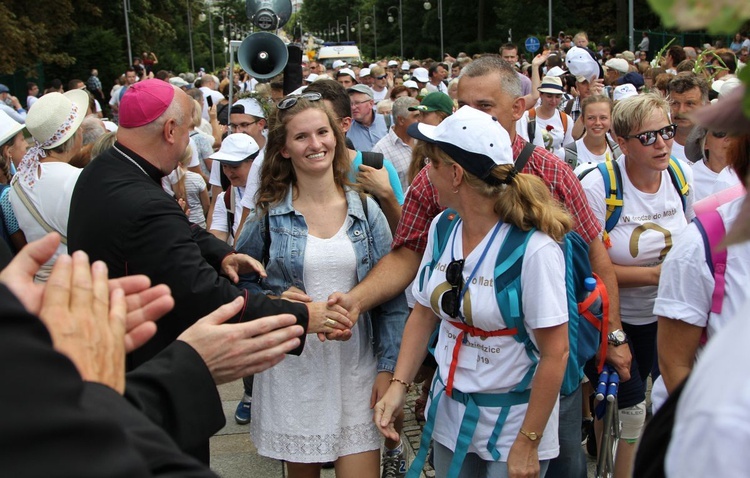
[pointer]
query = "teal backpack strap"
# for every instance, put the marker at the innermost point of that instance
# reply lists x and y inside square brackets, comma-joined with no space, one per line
[415,470]
[677,175]
[446,222]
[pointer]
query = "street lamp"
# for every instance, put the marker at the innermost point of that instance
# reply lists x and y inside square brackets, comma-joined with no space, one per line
[374,29]
[190,36]
[400,23]
[353,28]
[427,6]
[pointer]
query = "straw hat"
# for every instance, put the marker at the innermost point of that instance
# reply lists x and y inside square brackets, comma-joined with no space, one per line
[55,117]
[8,127]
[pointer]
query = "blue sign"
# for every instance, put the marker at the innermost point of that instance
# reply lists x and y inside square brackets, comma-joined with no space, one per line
[532,44]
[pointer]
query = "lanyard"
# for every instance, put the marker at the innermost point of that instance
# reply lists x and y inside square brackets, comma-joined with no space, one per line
[479,263]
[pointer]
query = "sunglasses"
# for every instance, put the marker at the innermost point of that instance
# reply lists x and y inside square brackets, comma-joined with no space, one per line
[381,77]
[451,301]
[291,100]
[718,134]
[647,138]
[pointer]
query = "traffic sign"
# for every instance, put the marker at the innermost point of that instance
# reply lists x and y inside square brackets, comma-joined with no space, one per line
[532,44]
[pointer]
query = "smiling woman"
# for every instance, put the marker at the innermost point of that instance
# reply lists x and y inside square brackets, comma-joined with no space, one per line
[317,235]
[652,215]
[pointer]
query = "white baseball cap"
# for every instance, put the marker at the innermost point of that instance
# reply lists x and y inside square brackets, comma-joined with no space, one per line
[421,74]
[472,138]
[393,63]
[556,71]
[248,106]
[236,148]
[619,64]
[411,84]
[339,64]
[624,91]
[364,72]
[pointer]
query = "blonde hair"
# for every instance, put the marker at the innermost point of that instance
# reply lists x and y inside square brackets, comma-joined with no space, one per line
[186,156]
[629,114]
[525,203]
[197,113]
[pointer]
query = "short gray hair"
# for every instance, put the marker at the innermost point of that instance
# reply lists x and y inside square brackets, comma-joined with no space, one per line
[401,107]
[489,64]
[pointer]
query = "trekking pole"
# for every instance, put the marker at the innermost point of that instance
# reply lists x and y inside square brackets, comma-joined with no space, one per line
[608,384]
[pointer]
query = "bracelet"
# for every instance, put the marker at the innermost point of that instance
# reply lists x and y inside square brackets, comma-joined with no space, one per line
[397,380]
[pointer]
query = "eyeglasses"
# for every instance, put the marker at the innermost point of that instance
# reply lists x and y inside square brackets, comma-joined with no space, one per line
[381,77]
[451,301]
[647,138]
[718,134]
[291,100]
[357,103]
[242,126]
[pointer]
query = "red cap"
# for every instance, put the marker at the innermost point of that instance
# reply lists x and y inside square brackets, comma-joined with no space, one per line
[145,101]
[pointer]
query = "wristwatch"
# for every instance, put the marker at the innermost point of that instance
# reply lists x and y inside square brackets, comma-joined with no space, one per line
[533,436]
[617,337]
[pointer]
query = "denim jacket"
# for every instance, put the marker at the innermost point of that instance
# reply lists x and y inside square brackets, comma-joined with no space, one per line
[371,239]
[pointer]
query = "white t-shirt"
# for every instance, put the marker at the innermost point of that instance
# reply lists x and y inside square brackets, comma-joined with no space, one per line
[219,218]
[215,95]
[678,151]
[690,300]
[194,185]
[648,226]
[704,179]
[710,435]
[726,179]
[560,136]
[253,182]
[586,156]
[50,194]
[494,364]
[379,95]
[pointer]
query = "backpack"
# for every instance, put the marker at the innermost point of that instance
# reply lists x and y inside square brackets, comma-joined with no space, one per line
[613,191]
[531,125]
[712,229]
[229,203]
[587,329]
[571,153]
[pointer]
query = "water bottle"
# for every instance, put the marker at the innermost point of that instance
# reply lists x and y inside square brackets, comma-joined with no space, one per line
[596,307]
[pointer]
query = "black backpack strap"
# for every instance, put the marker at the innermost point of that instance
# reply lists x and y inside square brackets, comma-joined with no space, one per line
[266,239]
[230,210]
[523,156]
[569,106]
[373,160]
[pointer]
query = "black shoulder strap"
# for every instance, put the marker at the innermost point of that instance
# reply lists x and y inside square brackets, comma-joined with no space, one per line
[569,106]
[374,160]
[523,156]
[266,239]
[571,155]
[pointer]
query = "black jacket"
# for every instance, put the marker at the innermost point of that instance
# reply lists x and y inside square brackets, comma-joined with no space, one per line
[54,424]
[120,214]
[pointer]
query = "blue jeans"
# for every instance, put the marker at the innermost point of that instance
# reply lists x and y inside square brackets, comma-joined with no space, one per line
[571,462]
[474,466]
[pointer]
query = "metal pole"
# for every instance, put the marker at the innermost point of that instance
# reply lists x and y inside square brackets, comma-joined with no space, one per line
[211,34]
[630,25]
[347,28]
[401,27]
[550,18]
[375,31]
[232,45]
[190,35]
[126,8]
[359,28]
[440,17]
[338,28]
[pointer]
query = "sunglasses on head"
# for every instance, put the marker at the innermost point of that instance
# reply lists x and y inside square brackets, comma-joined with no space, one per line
[291,100]
[647,138]
[451,301]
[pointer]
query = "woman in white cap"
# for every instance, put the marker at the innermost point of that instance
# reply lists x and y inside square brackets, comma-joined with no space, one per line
[317,235]
[43,186]
[545,125]
[12,149]
[480,362]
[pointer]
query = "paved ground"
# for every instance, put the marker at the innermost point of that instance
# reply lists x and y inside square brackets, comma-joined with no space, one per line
[233,454]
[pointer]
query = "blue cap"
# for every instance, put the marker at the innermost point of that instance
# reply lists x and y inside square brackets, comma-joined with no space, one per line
[4,89]
[589,283]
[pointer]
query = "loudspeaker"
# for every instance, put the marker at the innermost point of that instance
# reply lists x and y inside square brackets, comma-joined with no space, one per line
[268,14]
[263,55]
[293,69]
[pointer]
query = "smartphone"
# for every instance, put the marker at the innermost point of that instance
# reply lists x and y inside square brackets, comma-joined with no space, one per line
[210,101]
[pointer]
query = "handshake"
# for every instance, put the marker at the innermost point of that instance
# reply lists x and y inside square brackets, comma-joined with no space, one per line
[95,321]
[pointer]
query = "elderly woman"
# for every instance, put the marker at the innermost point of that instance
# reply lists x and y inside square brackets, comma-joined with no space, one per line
[318,235]
[652,214]
[43,186]
[12,149]
[482,367]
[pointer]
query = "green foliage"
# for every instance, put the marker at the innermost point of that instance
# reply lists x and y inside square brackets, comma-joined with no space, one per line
[717,16]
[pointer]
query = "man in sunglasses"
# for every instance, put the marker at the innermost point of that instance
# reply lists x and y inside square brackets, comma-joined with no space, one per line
[687,92]
[379,83]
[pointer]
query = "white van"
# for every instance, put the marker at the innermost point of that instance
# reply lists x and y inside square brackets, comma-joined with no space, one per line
[330,53]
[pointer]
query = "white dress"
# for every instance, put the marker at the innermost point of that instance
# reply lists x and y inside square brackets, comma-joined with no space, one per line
[315,408]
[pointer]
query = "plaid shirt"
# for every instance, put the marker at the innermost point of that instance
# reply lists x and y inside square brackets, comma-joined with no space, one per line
[398,152]
[421,205]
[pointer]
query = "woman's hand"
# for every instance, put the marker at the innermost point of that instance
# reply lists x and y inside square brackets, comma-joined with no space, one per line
[374,181]
[294,294]
[388,408]
[523,458]
[324,320]
[382,382]
[235,264]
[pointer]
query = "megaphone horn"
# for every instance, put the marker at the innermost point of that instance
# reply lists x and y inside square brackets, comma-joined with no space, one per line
[262,55]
